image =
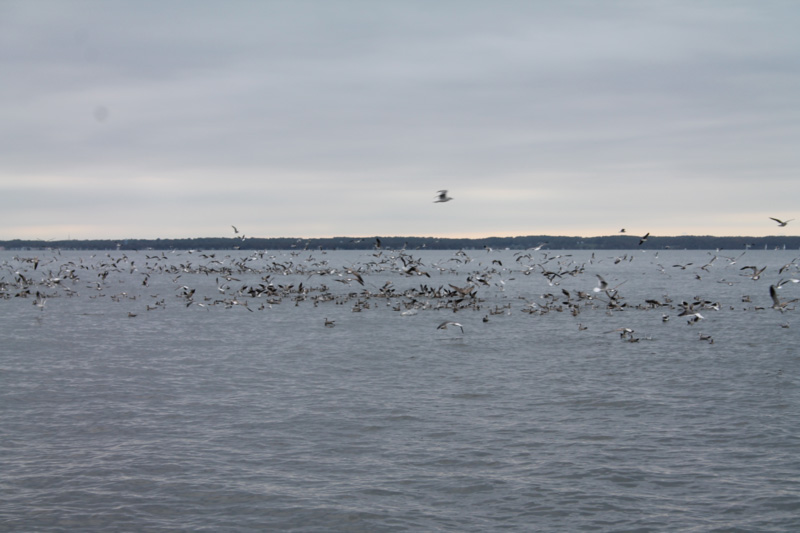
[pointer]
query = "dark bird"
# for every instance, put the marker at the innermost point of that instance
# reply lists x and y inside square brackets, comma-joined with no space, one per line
[442,197]
[781,223]
[643,239]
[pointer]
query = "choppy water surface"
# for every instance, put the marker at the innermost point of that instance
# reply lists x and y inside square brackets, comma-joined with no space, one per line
[149,391]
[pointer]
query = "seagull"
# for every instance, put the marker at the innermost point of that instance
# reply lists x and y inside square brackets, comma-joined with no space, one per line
[781,223]
[446,323]
[603,284]
[756,271]
[696,317]
[687,310]
[643,239]
[624,333]
[776,301]
[442,197]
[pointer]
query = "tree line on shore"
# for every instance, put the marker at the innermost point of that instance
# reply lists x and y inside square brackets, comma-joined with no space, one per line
[612,242]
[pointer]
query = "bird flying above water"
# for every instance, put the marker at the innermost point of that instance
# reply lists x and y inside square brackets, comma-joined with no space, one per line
[781,223]
[776,301]
[446,323]
[603,284]
[442,197]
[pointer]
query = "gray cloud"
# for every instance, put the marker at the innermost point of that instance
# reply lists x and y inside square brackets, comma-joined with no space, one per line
[344,118]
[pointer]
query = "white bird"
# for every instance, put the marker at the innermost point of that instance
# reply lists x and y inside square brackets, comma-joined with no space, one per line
[442,197]
[781,223]
[624,333]
[603,284]
[756,271]
[446,323]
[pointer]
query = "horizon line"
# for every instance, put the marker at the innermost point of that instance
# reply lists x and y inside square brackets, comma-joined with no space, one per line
[427,237]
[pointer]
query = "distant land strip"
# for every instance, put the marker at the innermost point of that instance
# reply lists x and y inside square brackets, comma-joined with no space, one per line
[612,242]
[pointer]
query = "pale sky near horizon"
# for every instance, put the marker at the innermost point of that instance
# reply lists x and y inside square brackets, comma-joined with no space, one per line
[179,119]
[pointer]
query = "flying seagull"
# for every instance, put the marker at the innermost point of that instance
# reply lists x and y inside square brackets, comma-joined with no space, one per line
[776,301]
[446,323]
[442,197]
[643,239]
[603,284]
[781,223]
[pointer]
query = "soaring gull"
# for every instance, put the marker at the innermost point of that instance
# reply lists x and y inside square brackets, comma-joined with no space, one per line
[442,197]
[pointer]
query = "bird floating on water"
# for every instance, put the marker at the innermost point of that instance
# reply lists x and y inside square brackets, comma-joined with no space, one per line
[442,197]
[781,223]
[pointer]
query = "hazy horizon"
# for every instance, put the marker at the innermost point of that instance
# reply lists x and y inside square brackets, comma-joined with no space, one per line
[371,238]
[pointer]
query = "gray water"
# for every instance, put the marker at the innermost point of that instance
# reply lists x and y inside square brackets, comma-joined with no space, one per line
[133,407]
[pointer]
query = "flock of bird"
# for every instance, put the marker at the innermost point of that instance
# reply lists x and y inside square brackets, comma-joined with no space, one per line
[470,281]
[490,284]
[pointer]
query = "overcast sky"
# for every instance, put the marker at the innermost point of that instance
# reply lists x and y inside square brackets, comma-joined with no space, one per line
[344,118]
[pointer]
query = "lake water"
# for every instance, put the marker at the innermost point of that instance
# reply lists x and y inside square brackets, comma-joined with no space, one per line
[202,391]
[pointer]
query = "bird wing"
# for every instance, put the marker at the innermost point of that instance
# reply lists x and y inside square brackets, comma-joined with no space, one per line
[774,295]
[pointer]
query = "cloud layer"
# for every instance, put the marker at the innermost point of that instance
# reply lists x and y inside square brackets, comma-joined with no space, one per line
[314,118]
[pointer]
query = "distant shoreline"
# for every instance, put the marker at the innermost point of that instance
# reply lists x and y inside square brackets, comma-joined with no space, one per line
[612,242]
